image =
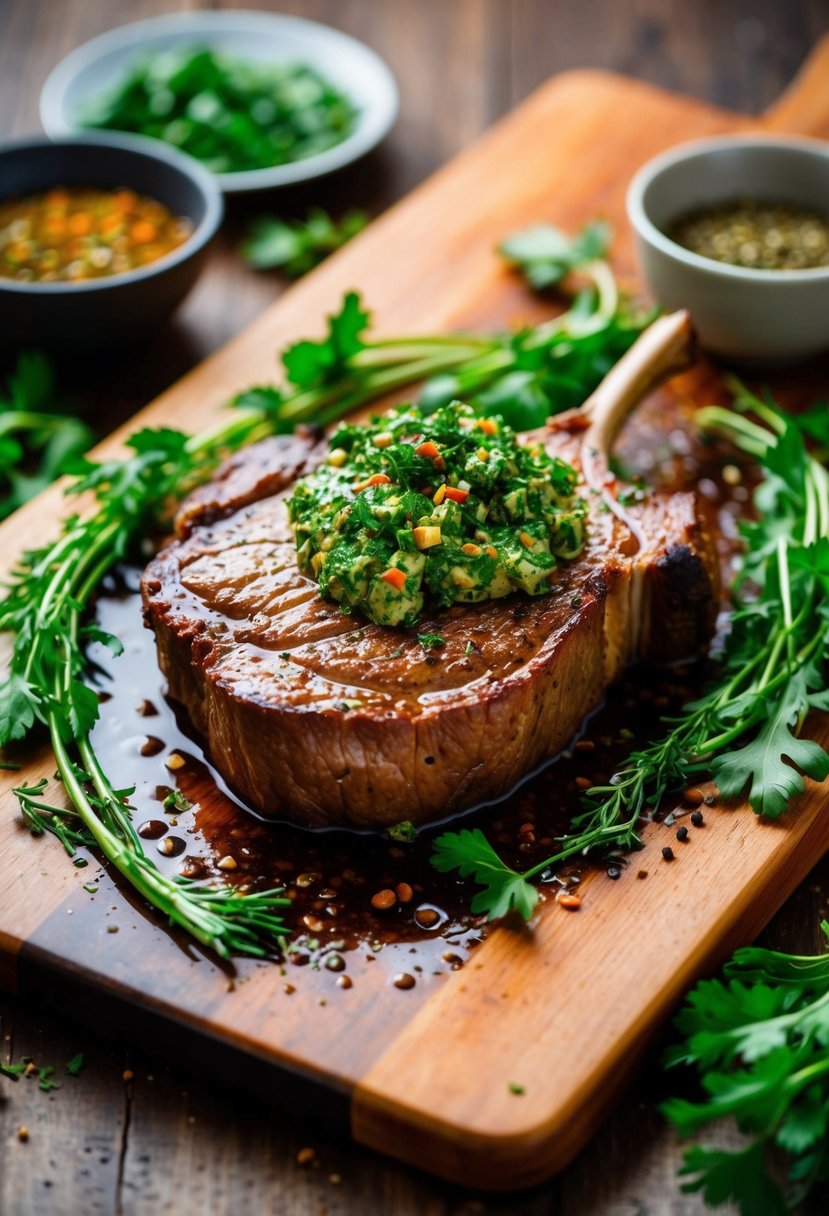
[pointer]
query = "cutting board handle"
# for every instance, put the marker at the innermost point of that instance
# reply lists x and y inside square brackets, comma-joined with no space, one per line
[803,109]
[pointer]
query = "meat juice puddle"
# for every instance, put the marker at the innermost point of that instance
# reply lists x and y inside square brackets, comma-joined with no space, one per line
[331,876]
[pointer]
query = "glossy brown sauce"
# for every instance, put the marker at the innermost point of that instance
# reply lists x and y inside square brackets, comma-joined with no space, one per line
[331,876]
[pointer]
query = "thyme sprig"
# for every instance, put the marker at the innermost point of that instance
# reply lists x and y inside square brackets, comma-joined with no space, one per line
[745,729]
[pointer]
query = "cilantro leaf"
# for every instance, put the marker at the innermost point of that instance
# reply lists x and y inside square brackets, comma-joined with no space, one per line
[19,707]
[545,254]
[470,853]
[431,641]
[297,247]
[311,364]
[760,765]
[83,708]
[13,1071]
[814,422]
[44,1079]
[75,1065]
[741,1177]
[176,801]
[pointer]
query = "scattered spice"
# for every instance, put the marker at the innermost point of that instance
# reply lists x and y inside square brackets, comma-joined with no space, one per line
[426,918]
[381,901]
[516,1089]
[23,1134]
[682,834]
[697,819]
[404,980]
[568,900]
[668,853]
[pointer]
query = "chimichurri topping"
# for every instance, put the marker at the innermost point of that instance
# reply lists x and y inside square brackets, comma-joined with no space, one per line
[441,508]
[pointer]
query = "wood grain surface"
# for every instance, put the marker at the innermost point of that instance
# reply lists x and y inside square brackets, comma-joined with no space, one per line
[112,1176]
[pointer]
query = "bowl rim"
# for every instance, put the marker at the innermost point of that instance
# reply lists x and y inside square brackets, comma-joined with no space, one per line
[150,149]
[698,148]
[365,136]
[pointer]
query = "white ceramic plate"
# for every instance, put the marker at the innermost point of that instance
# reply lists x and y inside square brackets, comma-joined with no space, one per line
[350,65]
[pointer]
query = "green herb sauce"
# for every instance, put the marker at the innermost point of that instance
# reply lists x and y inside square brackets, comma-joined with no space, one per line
[444,507]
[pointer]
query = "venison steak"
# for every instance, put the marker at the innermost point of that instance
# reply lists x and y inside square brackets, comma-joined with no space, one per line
[327,719]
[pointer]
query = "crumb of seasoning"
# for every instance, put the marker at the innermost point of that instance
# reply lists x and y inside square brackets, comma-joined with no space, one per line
[112,928]
[697,819]
[682,834]
[568,900]
[381,901]
[335,1179]
[127,1075]
[227,863]
[642,874]
[305,1157]
[23,1134]
[668,853]
[516,1089]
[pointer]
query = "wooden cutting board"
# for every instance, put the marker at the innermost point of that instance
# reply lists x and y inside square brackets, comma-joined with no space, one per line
[566,1008]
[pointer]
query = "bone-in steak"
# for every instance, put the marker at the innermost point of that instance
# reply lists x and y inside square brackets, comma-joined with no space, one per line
[326,719]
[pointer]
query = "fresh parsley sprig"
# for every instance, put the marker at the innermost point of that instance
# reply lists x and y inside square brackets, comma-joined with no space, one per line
[545,255]
[295,247]
[746,728]
[759,1042]
[524,376]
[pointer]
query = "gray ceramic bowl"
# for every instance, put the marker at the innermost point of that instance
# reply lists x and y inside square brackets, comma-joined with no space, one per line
[121,309]
[758,316]
[353,67]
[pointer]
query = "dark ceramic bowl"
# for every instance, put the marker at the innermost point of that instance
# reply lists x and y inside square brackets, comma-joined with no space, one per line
[118,310]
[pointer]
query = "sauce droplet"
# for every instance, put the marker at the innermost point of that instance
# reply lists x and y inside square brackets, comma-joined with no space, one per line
[153,829]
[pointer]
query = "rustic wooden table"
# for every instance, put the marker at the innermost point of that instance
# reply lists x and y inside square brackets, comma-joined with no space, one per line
[131,1135]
